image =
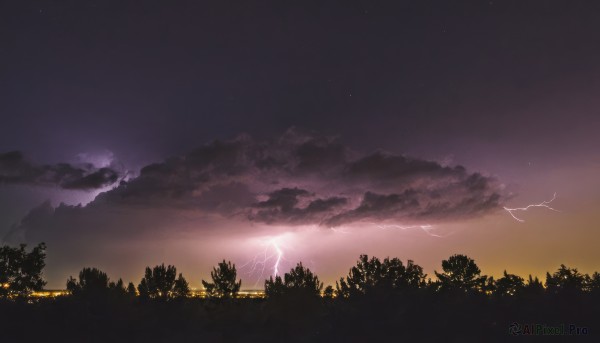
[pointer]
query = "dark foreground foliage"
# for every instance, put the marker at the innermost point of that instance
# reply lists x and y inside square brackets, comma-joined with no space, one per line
[378,301]
[417,315]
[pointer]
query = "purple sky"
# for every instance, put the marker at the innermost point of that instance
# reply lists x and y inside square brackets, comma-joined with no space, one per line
[195,132]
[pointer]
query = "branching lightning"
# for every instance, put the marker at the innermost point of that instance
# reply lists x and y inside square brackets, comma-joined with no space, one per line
[267,262]
[426,228]
[545,204]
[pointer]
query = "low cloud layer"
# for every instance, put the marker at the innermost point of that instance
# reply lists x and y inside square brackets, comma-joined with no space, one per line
[308,179]
[15,169]
[296,179]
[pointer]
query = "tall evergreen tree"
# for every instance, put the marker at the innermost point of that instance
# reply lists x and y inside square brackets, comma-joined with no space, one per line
[160,283]
[300,280]
[224,284]
[461,273]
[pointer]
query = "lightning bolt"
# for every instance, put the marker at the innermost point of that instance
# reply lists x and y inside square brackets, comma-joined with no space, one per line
[426,228]
[342,231]
[545,204]
[269,258]
[277,259]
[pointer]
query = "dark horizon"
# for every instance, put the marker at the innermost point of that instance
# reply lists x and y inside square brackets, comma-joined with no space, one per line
[377,300]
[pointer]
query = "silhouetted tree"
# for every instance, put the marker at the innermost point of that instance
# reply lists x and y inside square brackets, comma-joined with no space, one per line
[20,271]
[131,289]
[565,280]
[274,287]
[372,274]
[224,283]
[393,296]
[489,285]
[92,282]
[181,289]
[117,287]
[144,289]
[509,285]
[594,283]
[361,278]
[299,280]
[159,283]
[433,285]
[328,293]
[413,276]
[461,273]
[533,286]
[302,278]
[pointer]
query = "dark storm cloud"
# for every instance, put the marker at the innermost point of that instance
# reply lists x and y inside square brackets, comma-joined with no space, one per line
[303,178]
[389,167]
[15,169]
[284,199]
[379,206]
[468,206]
[282,207]
[296,179]
[38,217]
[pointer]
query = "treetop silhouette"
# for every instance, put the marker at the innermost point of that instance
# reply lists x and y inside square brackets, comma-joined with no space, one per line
[300,280]
[160,283]
[461,273]
[370,275]
[224,284]
[21,274]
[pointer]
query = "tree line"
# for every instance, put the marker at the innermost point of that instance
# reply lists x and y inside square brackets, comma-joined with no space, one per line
[21,275]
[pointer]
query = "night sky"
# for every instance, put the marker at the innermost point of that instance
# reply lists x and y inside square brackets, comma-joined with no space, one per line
[136,133]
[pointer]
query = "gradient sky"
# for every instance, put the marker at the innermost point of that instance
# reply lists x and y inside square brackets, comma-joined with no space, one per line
[197,131]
